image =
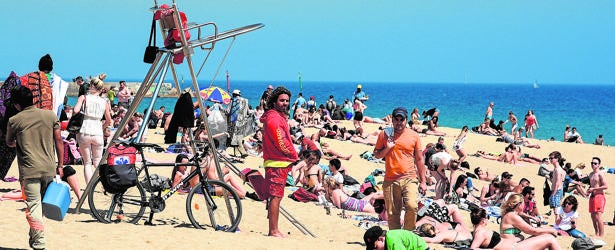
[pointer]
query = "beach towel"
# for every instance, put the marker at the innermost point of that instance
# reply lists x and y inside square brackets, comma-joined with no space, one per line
[7,154]
[59,88]
[71,152]
[42,93]
[303,195]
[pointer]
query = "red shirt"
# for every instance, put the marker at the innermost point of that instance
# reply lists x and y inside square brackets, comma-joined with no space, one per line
[277,143]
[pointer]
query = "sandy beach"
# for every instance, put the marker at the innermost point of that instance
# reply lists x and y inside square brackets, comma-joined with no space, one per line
[173,230]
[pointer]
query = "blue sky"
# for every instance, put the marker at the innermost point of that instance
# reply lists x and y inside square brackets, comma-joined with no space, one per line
[331,40]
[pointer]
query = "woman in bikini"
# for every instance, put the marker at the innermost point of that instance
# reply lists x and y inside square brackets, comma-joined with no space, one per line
[358,108]
[431,234]
[343,201]
[432,126]
[179,173]
[485,238]
[300,169]
[513,224]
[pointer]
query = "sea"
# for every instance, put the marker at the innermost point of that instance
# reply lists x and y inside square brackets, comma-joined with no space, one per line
[589,108]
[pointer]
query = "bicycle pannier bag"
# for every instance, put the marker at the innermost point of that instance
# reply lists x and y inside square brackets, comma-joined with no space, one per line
[121,172]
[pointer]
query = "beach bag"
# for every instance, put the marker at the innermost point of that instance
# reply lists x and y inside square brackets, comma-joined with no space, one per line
[158,183]
[42,94]
[121,172]
[583,244]
[71,152]
[302,195]
[76,121]
[349,180]
[216,121]
[151,50]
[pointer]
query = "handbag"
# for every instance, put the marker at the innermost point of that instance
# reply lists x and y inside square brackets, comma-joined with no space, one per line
[75,122]
[151,50]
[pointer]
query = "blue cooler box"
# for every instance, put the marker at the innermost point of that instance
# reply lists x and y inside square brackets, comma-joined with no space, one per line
[56,200]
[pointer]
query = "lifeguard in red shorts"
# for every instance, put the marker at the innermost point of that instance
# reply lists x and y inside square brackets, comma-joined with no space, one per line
[278,152]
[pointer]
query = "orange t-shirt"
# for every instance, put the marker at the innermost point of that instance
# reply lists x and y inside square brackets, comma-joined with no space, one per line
[399,162]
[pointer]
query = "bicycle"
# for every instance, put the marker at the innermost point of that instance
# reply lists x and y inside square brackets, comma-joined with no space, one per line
[222,213]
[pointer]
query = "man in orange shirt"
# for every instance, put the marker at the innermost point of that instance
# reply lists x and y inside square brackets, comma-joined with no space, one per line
[404,167]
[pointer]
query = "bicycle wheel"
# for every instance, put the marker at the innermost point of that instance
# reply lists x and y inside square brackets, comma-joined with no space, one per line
[207,207]
[123,207]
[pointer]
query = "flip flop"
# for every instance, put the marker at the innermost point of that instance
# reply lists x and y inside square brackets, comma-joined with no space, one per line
[10,179]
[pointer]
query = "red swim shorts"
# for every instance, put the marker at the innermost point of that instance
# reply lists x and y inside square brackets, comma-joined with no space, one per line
[276,180]
[597,203]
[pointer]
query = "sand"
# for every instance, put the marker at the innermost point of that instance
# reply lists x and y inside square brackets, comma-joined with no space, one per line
[173,230]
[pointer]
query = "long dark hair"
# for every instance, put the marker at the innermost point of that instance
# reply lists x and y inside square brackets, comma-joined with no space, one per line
[459,182]
[178,159]
[477,214]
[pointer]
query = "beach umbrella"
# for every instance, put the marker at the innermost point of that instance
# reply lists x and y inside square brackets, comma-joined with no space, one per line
[215,94]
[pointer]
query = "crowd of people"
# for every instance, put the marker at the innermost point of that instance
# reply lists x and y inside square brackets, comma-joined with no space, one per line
[422,199]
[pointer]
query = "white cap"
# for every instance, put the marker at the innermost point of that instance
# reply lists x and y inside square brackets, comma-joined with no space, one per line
[236,92]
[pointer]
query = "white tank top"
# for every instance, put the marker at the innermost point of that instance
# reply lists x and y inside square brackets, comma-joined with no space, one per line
[94,111]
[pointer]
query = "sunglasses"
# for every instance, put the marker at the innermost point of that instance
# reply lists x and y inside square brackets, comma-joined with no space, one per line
[551,158]
[399,119]
[595,163]
[568,203]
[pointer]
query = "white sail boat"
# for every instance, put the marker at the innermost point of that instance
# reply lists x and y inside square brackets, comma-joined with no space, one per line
[535,84]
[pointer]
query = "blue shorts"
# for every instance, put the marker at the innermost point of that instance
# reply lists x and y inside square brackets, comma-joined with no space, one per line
[556,200]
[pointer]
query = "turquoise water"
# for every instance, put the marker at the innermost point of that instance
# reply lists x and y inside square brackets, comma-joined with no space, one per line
[587,107]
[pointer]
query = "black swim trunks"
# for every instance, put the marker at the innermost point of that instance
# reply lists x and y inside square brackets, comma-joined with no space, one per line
[358,116]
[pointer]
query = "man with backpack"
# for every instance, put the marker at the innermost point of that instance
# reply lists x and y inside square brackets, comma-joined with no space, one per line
[331,104]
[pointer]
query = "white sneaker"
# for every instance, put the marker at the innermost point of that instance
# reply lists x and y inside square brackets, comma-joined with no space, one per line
[598,242]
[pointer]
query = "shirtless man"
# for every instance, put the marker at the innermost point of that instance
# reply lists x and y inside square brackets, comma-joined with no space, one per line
[557,181]
[489,111]
[597,201]
[483,175]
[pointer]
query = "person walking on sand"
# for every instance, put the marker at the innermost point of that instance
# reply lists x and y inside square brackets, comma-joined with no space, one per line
[278,152]
[597,201]
[33,126]
[531,123]
[92,132]
[405,171]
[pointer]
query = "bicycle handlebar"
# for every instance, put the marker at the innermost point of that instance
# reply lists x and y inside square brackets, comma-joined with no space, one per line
[140,146]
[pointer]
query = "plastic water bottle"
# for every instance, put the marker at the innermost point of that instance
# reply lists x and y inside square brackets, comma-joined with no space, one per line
[425,204]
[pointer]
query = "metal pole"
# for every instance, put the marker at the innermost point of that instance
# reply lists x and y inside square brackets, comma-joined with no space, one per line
[151,104]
